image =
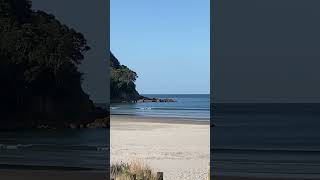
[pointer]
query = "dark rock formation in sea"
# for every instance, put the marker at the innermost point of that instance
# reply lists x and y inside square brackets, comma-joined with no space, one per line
[145,99]
[122,85]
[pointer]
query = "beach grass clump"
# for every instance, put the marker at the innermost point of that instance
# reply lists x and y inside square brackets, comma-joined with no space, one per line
[127,171]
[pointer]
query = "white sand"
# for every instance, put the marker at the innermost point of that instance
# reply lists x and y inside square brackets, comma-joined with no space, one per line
[179,150]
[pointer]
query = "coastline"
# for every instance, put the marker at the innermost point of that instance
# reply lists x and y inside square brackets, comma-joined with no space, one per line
[150,119]
[177,147]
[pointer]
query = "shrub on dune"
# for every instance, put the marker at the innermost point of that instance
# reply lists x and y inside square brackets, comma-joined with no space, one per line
[126,171]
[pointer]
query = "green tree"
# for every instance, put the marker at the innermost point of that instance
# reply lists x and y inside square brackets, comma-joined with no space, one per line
[39,57]
[122,83]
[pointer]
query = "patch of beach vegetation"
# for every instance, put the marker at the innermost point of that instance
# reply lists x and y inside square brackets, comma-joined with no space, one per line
[127,171]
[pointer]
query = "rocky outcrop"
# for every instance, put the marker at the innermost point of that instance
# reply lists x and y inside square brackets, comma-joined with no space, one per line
[122,85]
[122,82]
[145,99]
[99,123]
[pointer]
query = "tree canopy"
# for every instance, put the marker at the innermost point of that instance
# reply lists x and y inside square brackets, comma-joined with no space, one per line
[122,83]
[39,58]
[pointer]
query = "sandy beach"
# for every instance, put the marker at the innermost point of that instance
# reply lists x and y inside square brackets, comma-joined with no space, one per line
[178,148]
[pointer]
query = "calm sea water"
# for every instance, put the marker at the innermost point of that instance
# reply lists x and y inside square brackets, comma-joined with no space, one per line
[267,140]
[85,148]
[187,106]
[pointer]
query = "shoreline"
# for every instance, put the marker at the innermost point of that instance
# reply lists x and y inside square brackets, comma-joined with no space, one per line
[150,119]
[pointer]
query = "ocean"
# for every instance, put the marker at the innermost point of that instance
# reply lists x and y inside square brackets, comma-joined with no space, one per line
[266,140]
[192,106]
[66,149]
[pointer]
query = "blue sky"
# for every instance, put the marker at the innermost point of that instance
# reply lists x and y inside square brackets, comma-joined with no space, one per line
[167,42]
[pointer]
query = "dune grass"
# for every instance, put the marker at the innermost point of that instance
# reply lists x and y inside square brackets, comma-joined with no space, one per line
[126,171]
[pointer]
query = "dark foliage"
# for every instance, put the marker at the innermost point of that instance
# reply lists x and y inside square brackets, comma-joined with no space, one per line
[40,80]
[122,85]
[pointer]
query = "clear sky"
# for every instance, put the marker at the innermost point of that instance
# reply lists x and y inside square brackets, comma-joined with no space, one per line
[167,42]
